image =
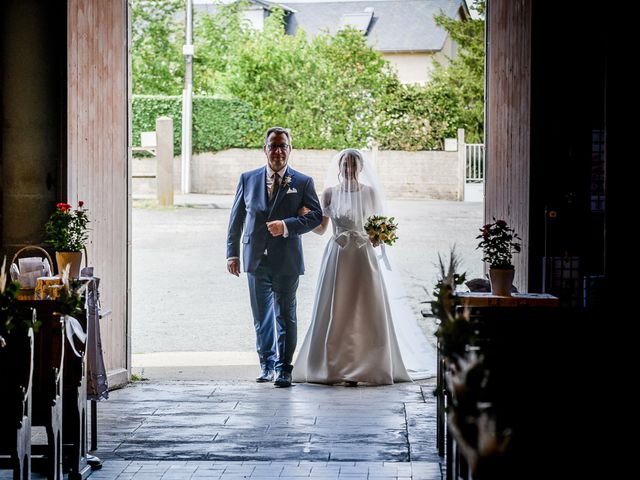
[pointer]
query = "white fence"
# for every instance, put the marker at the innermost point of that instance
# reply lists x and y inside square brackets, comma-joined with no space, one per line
[475,163]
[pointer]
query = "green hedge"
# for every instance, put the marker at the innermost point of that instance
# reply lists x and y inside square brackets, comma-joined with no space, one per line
[218,123]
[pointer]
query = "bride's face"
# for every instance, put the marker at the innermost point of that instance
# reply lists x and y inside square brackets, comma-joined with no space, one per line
[349,168]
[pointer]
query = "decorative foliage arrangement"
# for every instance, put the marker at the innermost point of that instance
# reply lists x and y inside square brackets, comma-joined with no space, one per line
[10,317]
[454,330]
[475,402]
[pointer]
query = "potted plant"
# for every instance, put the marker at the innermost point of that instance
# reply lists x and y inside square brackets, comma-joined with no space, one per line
[66,231]
[499,242]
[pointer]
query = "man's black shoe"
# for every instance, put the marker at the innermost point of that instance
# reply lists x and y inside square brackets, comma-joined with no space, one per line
[265,376]
[283,380]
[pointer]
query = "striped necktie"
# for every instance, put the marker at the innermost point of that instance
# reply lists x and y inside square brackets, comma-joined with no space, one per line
[275,186]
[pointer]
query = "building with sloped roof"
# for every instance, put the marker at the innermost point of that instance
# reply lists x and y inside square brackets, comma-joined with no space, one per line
[403,31]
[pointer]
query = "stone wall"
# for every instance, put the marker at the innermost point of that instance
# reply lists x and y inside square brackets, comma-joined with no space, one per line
[425,174]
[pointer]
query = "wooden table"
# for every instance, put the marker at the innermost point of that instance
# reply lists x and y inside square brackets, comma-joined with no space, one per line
[486,299]
[488,313]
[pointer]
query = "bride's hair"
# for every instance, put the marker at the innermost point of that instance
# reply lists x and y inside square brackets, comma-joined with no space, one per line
[350,154]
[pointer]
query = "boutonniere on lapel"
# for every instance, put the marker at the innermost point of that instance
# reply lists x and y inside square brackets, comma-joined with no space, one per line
[286,181]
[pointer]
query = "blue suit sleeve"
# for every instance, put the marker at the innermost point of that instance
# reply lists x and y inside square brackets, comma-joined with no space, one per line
[305,223]
[236,221]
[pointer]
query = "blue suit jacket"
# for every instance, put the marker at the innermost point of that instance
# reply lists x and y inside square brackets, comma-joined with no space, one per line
[251,211]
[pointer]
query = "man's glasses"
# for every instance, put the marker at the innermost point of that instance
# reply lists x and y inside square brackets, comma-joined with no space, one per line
[273,146]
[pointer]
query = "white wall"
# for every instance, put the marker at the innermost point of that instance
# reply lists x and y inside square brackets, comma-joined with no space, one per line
[255,17]
[425,174]
[411,67]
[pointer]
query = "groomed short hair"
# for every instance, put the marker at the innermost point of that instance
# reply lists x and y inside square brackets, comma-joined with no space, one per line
[277,130]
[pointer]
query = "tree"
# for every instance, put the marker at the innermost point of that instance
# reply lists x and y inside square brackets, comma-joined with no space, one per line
[157,38]
[462,82]
[414,117]
[217,38]
[331,91]
[324,90]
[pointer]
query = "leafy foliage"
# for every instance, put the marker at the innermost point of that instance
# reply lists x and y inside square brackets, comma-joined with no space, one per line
[498,242]
[11,319]
[216,37]
[8,311]
[330,91]
[415,117]
[217,123]
[157,36]
[460,85]
[454,329]
[69,300]
[324,90]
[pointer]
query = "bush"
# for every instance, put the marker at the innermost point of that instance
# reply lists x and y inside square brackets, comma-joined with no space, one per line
[414,117]
[217,123]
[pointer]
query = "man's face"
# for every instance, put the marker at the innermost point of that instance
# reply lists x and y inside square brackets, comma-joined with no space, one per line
[277,150]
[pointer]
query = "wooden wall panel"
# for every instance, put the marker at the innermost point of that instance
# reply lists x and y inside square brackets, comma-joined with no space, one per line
[99,158]
[508,120]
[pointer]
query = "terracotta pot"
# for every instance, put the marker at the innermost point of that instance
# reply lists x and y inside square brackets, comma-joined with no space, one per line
[501,281]
[73,259]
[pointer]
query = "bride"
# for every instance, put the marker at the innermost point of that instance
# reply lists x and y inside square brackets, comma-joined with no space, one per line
[361,329]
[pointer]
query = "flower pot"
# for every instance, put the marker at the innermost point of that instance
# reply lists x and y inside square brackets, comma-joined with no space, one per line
[501,281]
[73,259]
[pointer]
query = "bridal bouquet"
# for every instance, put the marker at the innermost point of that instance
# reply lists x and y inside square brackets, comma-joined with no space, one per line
[381,229]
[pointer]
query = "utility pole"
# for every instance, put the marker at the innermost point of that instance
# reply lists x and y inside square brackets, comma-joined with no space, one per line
[187,105]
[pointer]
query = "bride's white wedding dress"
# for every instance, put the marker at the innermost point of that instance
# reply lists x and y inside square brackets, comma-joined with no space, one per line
[352,335]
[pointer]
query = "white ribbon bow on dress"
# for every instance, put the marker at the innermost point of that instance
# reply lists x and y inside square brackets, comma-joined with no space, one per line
[360,239]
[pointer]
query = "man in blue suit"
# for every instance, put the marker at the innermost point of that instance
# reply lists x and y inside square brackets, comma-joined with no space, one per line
[265,217]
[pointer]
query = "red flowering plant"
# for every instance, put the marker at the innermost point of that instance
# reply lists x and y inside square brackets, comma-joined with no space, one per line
[66,230]
[498,243]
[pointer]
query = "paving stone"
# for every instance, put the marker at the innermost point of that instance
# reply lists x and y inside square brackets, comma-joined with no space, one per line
[242,430]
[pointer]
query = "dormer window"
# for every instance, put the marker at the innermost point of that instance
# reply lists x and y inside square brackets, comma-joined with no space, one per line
[358,20]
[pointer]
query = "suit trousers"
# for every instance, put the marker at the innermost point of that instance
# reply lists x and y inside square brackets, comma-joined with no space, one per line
[273,304]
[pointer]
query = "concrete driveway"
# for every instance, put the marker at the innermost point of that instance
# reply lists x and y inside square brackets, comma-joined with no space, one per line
[190,315]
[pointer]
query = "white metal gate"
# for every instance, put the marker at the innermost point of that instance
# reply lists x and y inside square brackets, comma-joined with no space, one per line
[474,172]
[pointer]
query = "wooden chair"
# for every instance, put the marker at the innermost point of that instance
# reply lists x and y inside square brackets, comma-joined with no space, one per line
[75,408]
[47,385]
[16,375]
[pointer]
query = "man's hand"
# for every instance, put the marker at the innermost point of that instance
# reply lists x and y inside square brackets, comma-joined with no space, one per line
[233,266]
[302,211]
[276,228]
